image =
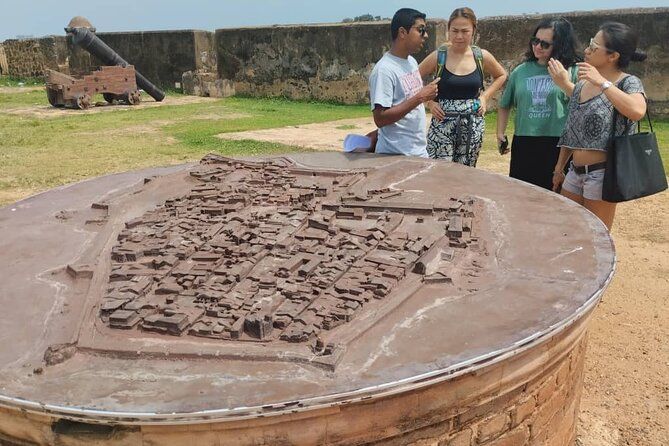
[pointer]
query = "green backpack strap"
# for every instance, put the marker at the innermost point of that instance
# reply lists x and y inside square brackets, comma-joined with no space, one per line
[442,54]
[478,57]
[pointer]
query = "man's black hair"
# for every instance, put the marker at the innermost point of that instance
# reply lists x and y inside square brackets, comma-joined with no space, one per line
[404,18]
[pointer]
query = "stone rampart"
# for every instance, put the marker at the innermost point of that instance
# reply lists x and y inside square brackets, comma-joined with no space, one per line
[333,62]
[32,57]
[161,56]
[326,61]
[507,38]
[4,67]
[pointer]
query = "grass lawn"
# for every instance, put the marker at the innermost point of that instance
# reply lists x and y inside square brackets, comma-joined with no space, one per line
[44,150]
[40,152]
[10,81]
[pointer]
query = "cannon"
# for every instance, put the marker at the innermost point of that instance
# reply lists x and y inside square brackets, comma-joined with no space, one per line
[86,39]
[114,83]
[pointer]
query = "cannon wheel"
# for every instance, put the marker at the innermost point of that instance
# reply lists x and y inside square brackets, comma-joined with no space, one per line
[52,96]
[109,97]
[83,102]
[134,97]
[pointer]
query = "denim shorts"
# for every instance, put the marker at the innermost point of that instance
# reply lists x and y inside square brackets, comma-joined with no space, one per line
[588,185]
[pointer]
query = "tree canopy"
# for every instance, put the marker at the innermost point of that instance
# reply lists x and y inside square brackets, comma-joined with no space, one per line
[363,18]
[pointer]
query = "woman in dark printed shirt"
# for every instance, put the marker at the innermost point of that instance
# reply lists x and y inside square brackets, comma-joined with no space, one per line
[602,86]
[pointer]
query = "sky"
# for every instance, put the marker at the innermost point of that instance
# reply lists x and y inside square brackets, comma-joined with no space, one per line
[39,18]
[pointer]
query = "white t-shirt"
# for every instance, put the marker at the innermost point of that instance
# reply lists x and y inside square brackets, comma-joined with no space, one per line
[393,81]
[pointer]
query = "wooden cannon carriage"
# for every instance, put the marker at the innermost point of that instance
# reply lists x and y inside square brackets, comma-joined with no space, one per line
[115,83]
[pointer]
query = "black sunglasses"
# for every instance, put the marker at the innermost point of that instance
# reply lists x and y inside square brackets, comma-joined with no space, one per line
[421,30]
[537,41]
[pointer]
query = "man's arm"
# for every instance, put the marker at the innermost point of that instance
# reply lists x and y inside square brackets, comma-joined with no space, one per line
[385,116]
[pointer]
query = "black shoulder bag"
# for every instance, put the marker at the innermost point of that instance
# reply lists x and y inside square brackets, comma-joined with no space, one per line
[633,164]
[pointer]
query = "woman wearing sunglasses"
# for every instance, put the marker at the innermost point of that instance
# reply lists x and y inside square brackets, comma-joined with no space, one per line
[456,129]
[602,85]
[540,95]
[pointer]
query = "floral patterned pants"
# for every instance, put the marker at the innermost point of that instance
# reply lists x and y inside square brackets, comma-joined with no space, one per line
[459,136]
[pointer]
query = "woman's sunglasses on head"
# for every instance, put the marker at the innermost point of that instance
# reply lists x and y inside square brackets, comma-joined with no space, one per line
[534,41]
[592,46]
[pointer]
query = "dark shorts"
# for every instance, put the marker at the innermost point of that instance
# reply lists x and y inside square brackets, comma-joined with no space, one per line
[533,159]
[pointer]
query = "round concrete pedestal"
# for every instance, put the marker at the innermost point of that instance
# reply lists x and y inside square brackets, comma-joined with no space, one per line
[439,305]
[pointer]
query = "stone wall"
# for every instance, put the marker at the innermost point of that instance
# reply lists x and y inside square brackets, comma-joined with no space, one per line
[31,57]
[161,56]
[507,38]
[4,66]
[324,62]
[333,62]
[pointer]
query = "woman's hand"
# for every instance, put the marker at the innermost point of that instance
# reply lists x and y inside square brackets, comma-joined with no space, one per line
[589,73]
[558,179]
[483,106]
[501,140]
[558,72]
[435,109]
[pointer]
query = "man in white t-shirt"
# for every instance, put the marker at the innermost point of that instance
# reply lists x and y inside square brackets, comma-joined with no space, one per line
[396,89]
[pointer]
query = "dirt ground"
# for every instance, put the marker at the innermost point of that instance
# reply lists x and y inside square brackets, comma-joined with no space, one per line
[323,136]
[626,390]
[100,106]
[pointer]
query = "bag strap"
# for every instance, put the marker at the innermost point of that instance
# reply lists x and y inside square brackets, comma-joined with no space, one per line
[442,54]
[614,118]
[571,73]
[650,123]
[478,58]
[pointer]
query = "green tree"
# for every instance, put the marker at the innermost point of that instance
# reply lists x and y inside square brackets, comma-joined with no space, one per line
[364,18]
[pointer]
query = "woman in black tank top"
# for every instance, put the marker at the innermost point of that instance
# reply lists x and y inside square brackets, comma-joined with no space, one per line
[457,126]
[455,86]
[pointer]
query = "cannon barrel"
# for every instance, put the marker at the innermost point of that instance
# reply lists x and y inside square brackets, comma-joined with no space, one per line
[92,43]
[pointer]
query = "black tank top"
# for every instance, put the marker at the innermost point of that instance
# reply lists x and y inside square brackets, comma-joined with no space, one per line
[454,86]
